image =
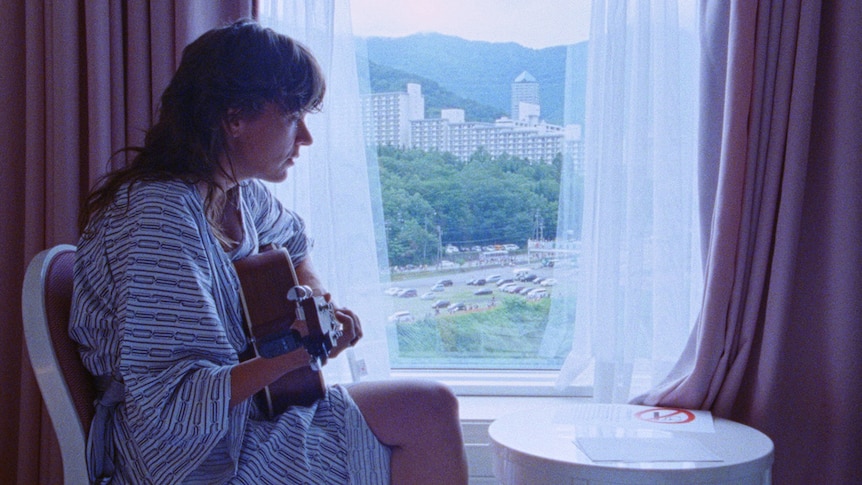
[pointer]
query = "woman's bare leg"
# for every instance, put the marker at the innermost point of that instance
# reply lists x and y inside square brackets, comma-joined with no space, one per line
[419,421]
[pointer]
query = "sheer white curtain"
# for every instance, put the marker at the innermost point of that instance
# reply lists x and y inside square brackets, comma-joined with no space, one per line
[638,289]
[329,186]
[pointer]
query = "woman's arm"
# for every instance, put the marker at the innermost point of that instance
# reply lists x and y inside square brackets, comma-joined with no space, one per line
[307,276]
[250,376]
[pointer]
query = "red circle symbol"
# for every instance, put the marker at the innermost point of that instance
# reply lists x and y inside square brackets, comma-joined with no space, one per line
[665,416]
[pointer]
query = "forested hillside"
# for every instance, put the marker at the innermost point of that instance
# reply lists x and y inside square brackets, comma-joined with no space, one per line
[481,71]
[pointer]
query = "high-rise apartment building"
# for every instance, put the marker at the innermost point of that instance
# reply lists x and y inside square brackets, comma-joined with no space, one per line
[386,117]
[397,119]
[537,142]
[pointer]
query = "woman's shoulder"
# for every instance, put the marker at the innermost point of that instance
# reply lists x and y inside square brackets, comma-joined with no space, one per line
[171,202]
[159,191]
[159,211]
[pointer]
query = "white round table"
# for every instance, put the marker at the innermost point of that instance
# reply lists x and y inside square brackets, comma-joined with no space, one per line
[554,445]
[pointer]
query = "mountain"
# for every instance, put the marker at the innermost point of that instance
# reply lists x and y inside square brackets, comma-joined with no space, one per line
[482,71]
[386,79]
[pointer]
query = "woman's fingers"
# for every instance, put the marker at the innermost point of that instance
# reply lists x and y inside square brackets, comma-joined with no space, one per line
[352,325]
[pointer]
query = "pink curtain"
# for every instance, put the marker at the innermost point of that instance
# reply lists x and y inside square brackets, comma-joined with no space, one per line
[778,344]
[78,81]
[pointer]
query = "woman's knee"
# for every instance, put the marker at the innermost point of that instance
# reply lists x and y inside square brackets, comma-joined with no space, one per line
[392,406]
[440,398]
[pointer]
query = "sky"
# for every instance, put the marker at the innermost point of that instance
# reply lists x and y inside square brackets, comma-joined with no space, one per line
[532,23]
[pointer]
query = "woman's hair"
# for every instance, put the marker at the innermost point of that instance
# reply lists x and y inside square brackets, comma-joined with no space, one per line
[230,71]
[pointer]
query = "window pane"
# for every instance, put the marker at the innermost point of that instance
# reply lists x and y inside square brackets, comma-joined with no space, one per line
[474,124]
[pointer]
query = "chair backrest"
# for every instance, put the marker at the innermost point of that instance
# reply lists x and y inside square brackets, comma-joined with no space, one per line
[67,388]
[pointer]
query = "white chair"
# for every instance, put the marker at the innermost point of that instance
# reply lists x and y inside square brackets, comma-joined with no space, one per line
[67,388]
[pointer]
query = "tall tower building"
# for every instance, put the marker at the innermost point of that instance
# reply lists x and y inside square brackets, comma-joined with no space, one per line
[525,89]
[387,116]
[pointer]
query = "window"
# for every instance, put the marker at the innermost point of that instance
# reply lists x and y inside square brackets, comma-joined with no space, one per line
[479,207]
[594,225]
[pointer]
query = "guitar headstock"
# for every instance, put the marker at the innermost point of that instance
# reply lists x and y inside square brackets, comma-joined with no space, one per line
[323,328]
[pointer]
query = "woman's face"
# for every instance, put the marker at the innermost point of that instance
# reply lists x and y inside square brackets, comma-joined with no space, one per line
[265,146]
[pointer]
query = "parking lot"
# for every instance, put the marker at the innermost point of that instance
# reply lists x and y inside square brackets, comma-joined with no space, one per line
[473,289]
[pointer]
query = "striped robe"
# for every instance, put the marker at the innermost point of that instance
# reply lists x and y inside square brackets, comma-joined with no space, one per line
[156,304]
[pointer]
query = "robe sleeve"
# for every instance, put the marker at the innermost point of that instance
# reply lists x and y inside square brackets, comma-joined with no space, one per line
[174,354]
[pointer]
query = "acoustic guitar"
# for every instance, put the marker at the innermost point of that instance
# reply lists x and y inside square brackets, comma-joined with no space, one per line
[272,300]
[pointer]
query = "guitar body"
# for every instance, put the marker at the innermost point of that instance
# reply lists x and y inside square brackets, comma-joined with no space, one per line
[265,280]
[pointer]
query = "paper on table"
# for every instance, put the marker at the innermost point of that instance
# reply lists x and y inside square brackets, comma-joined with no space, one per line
[631,450]
[642,417]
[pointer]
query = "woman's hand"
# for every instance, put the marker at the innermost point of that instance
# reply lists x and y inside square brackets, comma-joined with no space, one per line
[351,330]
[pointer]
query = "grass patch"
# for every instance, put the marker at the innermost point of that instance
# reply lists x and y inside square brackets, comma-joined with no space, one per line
[512,329]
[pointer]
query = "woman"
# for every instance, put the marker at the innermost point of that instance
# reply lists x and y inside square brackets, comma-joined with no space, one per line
[157,312]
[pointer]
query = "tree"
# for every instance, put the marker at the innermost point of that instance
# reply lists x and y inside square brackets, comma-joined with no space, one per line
[484,200]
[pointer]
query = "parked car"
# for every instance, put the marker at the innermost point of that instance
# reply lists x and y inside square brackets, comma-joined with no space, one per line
[440,304]
[457,307]
[519,273]
[445,282]
[401,317]
[493,278]
[407,293]
[393,290]
[483,291]
[438,287]
[428,296]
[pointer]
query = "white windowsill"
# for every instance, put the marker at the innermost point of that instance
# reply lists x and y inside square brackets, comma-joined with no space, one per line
[486,395]
[486,409]
[504,382]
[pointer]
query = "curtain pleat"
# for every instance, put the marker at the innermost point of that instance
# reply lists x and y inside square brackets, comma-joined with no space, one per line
[743,222]
[330,187]
[778,344]
[638,265]
[80,80]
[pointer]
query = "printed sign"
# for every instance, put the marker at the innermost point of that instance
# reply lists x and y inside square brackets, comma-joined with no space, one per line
[640,417]
[665,415]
